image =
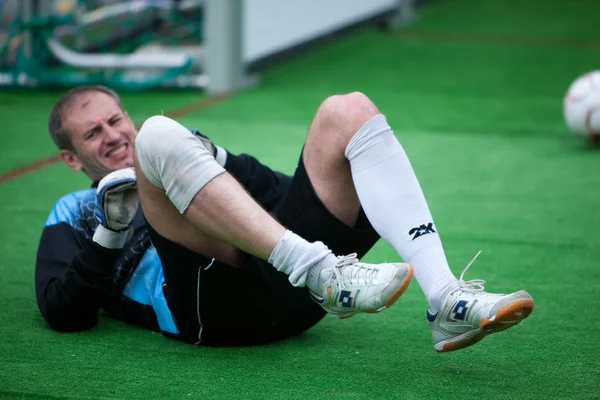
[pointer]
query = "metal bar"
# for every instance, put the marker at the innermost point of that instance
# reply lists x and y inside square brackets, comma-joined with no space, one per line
[223,41]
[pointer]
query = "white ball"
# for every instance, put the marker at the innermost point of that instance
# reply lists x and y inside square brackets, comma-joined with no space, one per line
[581,105]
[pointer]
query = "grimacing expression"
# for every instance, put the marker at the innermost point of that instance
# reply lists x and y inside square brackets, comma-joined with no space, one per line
[102,135]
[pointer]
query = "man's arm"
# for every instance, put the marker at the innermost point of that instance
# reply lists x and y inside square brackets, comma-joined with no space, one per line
[76,257]
[72,275]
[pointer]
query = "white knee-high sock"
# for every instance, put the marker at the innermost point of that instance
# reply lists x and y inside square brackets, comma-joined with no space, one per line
[394,203]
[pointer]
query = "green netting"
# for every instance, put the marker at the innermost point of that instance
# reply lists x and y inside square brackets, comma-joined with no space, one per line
[93,28]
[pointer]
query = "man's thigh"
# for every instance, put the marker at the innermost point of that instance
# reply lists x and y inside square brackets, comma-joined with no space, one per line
[302,212]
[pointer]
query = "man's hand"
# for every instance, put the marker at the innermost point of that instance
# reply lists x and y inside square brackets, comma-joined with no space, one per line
[116,204]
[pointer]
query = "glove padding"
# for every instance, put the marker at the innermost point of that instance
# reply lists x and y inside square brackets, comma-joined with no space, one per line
[117,202]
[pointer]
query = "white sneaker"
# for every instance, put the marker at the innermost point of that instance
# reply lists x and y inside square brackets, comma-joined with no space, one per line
[352,287]
[469,314]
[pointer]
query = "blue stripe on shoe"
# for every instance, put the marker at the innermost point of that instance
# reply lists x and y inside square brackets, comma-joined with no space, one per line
[431,317]
[317,299]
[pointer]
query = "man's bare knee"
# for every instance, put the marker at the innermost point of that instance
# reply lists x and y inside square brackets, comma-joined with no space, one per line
[339,117]
[349,110]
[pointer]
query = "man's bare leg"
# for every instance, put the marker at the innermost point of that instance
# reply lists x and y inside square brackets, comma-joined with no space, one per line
[191,200]
[179,176]
[335,122]
[167,221]
[350,141]
[218,238]
[338,120]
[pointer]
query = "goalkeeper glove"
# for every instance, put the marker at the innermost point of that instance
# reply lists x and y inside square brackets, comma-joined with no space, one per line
[117,202]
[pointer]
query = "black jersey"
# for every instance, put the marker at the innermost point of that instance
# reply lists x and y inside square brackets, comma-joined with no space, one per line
[75,277]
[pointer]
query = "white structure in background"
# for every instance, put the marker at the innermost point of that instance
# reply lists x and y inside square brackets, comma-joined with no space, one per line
[236,33]
[272,26]
[250,30]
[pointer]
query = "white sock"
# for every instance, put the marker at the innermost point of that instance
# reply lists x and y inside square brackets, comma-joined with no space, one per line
[394,203]
[301,260]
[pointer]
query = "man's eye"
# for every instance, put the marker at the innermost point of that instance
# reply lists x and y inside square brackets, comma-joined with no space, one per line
[90,135]
[114,121]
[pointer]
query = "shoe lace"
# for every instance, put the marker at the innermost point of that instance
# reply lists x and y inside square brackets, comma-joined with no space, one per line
[474,285]
[349,268]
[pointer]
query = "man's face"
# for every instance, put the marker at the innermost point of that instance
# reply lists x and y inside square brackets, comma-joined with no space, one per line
[102,136]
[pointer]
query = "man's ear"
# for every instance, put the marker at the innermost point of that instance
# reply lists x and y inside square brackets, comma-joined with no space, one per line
[71,160]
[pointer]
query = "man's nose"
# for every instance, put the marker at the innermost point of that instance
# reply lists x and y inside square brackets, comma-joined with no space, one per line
[111,134]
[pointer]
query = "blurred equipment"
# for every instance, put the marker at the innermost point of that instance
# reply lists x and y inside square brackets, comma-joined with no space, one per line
[139,44]
[70,42]
[581,105]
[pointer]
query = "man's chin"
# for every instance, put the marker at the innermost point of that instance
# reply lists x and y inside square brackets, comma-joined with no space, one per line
[121,164]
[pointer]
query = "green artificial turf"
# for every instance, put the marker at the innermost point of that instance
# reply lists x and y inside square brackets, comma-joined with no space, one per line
[476,103]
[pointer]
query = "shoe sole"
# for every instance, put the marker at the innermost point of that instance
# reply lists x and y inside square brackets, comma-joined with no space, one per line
[507,316]
[393,298]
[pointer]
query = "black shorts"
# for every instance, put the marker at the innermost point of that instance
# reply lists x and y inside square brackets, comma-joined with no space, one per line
[218,305]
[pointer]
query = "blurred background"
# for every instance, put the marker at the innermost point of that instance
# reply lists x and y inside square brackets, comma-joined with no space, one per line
[167,43]
[474,91]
